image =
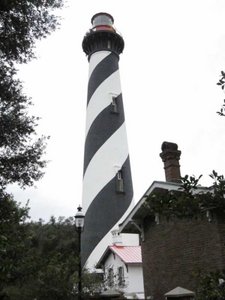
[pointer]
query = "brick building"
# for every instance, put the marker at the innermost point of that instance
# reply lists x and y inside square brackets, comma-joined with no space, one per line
[175,250]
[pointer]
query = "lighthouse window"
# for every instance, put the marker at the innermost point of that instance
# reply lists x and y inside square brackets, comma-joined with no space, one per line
[119,182]
[114,105]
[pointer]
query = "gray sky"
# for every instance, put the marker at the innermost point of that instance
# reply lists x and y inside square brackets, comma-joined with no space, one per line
[174,52]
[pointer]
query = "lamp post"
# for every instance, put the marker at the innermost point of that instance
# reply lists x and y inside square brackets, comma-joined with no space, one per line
[79,223]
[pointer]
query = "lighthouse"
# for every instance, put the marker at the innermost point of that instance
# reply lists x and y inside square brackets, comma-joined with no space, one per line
[107,183]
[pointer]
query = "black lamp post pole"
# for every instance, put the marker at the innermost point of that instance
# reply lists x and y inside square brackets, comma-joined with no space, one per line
[79,222]
[79,265]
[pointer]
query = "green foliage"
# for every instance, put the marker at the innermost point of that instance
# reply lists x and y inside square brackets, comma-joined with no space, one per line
[216,199]
[211,286]
[55,248]
[14,238]
[93,283]
[189,201]
[20,156]
[221,83]
[21,24]
[39,260]
[42,262]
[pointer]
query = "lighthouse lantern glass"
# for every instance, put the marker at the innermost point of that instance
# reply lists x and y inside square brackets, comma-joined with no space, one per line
[102,20]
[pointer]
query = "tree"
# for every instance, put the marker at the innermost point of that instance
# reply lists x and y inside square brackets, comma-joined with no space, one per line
[13,241]
[21,24]
[20,157]
[211,286]
[54,251]
[188,201]
[55,248]
[42,264]
[40,260]
[221,83]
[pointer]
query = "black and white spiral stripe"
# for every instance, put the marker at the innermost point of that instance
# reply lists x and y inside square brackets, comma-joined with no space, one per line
[106,153]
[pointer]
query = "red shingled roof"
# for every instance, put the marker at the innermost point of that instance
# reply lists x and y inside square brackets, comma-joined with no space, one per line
[128,254]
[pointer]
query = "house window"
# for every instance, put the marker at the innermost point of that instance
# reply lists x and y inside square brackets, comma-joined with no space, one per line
[121,277]
[119,182]
[114,105]
[110,277]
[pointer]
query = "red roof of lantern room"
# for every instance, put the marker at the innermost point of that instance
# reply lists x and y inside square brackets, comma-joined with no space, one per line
[104,28]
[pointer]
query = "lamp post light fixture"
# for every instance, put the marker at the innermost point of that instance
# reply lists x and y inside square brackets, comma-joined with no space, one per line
[79,223]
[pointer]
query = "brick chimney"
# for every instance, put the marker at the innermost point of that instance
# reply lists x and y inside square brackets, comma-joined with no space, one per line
[170,156]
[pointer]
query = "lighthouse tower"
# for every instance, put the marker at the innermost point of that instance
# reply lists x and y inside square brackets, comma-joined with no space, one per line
[107,183]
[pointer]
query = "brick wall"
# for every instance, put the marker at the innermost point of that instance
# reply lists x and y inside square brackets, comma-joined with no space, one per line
[175,251]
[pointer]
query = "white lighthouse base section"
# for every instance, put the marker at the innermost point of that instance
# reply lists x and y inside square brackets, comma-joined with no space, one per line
[106,241]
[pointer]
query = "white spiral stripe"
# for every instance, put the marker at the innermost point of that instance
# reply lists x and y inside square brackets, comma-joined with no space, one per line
[96,58]
[102,97]
[104,165]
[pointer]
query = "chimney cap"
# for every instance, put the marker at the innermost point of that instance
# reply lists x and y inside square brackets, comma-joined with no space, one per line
[169,146]
[170,156]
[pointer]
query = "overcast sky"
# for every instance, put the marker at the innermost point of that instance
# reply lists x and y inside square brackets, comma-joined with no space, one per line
[174,52]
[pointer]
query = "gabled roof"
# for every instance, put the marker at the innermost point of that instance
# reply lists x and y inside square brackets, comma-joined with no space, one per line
[128,254]
[179,291]
[140,211]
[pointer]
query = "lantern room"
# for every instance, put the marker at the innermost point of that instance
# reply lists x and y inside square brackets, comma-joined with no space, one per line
[102,21]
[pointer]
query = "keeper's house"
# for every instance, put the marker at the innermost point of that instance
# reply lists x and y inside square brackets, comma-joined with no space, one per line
[122,266]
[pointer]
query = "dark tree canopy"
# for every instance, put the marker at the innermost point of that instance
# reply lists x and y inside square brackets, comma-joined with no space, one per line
[20,156]
[21,24]
[13,241]
[37,260]
[221,83]
[211,286]
[186,202]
